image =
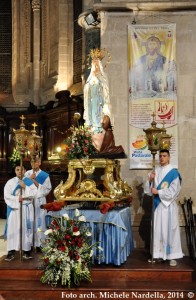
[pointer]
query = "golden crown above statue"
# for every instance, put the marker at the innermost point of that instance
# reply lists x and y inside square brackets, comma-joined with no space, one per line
[98,53]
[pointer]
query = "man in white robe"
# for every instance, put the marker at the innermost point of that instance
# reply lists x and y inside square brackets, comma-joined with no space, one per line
[42,181]
[18,191]
[166,188]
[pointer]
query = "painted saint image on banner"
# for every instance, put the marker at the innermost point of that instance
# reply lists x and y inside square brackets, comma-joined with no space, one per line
[152,87]
[152,74]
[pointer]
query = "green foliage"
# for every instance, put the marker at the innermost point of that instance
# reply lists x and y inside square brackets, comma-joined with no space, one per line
[15,157]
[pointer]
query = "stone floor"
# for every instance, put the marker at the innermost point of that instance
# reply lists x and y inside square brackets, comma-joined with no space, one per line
[3,244]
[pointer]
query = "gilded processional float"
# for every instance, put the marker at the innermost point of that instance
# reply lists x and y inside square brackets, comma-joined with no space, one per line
[93,168]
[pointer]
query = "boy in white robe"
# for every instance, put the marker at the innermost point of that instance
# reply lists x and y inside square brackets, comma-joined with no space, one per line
[167,186]
[17,191]
[42,181]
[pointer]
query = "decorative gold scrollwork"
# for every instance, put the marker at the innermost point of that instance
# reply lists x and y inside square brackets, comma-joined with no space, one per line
[99,180]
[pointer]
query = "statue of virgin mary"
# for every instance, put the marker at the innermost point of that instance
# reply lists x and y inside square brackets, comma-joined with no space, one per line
[96,95]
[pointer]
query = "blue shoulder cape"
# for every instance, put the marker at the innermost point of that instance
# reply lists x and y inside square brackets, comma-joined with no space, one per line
[41,177]
[169,177]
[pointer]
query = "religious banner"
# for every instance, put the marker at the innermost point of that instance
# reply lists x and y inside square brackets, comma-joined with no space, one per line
[152,88]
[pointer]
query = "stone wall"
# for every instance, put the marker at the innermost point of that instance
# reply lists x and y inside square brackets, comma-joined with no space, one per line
[114,36]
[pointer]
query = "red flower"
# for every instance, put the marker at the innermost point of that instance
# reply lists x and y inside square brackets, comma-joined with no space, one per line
[75,229]
[79,239]
[67,236]
[54,222]
[105,207]
[58,242]
[62,248]
[46,260]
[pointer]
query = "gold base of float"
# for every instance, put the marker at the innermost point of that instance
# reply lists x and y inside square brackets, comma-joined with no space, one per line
[95,179]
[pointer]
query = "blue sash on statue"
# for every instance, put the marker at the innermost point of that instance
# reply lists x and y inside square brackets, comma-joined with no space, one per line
[28,182]
[165,183]
[41,177]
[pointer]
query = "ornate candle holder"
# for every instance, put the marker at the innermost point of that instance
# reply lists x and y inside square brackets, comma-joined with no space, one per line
[21,137]
[165,142]
[153,137]
[34,143]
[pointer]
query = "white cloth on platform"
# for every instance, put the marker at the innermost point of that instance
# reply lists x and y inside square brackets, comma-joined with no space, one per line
[166,222]
[13,221]
[42,191]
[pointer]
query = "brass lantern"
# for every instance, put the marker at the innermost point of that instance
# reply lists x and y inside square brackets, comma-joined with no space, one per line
[153,137]
[21,137]
[34,142]
[165,142]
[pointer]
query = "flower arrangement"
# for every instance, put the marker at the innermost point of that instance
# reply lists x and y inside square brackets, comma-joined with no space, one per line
[15,157]
[79,143]
[67,251]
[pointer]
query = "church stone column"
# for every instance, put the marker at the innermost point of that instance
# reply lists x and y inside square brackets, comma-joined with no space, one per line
[21,52]
[92,38]
[36,51]
[65,68]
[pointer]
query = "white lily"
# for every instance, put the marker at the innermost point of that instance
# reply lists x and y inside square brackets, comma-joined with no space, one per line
[66,217]
[77,213]
[88,233]
[76,233]
[100,248]
[47,232]
[82,218]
